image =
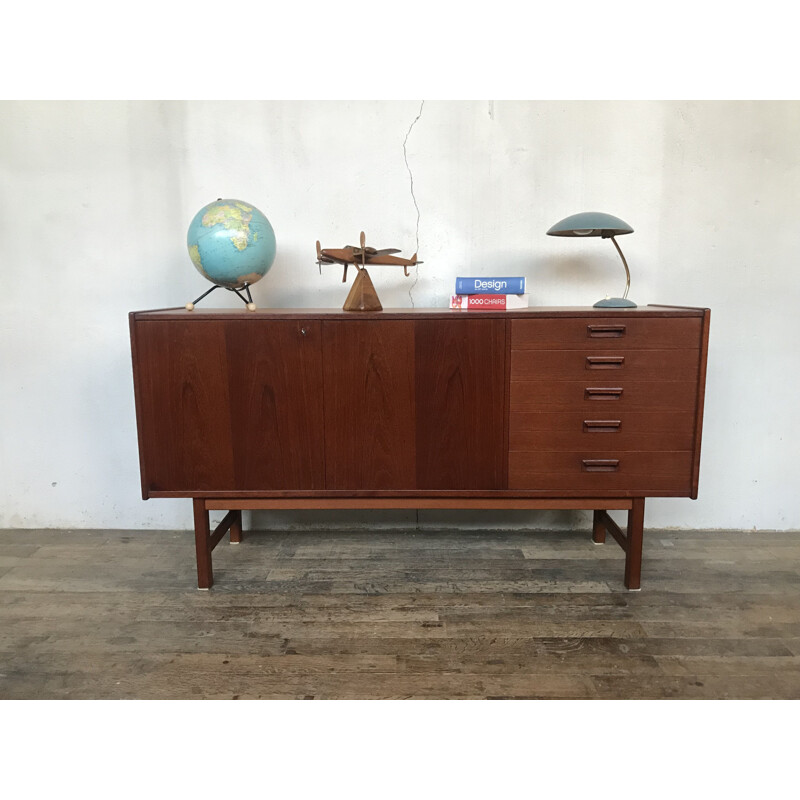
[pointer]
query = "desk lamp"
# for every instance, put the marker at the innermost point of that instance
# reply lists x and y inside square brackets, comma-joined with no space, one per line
[594,223]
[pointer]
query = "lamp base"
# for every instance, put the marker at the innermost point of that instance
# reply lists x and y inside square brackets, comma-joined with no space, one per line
[615,302]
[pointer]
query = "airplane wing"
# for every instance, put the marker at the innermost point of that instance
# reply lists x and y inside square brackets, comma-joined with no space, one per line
[395,261]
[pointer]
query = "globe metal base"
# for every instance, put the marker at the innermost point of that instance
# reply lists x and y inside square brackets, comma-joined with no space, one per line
[615,302]
[248,300]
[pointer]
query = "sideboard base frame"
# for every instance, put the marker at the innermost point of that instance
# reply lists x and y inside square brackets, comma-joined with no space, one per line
[630,541]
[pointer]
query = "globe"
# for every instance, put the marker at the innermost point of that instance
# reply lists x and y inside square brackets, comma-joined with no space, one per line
[231,243]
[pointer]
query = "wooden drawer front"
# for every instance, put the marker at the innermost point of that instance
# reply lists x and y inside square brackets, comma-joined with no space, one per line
[603,397]
[598,333]
[577,430]
[605,364]
[601,470]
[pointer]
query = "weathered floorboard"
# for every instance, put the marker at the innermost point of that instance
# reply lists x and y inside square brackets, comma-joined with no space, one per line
[387,614]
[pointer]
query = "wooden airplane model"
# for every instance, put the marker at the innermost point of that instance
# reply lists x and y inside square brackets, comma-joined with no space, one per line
[363,296]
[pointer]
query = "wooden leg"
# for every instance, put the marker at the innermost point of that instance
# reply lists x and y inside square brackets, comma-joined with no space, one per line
[236,528]
[598,528]
[633,551]
[202,539]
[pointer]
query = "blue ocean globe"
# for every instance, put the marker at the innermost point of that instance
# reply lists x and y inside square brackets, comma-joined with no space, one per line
[231,243]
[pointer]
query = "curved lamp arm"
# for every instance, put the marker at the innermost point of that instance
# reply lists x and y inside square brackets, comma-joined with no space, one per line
[624,264]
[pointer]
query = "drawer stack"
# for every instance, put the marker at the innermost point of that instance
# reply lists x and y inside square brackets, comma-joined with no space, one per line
[604,405]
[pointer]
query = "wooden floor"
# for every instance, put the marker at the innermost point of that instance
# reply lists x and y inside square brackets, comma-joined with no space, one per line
[115,614]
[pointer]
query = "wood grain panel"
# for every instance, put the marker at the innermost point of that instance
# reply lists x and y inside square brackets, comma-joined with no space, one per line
[608,363]
[460,398]
[180,378]
[603,395]
[598,332]
[573,430]
[275,373]
[368,371]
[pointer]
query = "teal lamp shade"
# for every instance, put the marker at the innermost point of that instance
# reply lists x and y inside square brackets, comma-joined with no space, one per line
[607,226]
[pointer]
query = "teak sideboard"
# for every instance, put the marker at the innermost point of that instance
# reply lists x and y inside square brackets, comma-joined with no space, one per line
[546,408]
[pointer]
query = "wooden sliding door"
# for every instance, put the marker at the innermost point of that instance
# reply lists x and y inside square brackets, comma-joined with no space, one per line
[368,368]
[460,397]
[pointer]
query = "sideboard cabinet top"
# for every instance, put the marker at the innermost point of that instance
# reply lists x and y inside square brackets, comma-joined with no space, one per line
[415,313]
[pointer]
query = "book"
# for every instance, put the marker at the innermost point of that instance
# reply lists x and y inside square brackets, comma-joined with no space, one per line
[514,285]
[489,302]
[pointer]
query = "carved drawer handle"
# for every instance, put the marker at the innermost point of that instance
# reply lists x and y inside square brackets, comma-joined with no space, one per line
[602,394]
[601,425]
[605,331]
[605,362]
[600,464]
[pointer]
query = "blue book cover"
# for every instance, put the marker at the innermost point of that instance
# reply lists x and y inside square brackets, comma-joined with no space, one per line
[490,285]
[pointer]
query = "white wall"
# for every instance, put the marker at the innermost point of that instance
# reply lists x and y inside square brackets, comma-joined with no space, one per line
[97,196]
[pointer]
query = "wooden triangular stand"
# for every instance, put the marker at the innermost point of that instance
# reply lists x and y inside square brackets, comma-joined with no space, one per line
[363,296]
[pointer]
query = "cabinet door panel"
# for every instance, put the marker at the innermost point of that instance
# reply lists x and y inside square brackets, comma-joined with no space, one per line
[460,394]
[184,408]
[368,372]
[275,372]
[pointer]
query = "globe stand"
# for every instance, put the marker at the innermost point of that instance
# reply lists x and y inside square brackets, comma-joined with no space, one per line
[249,304]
